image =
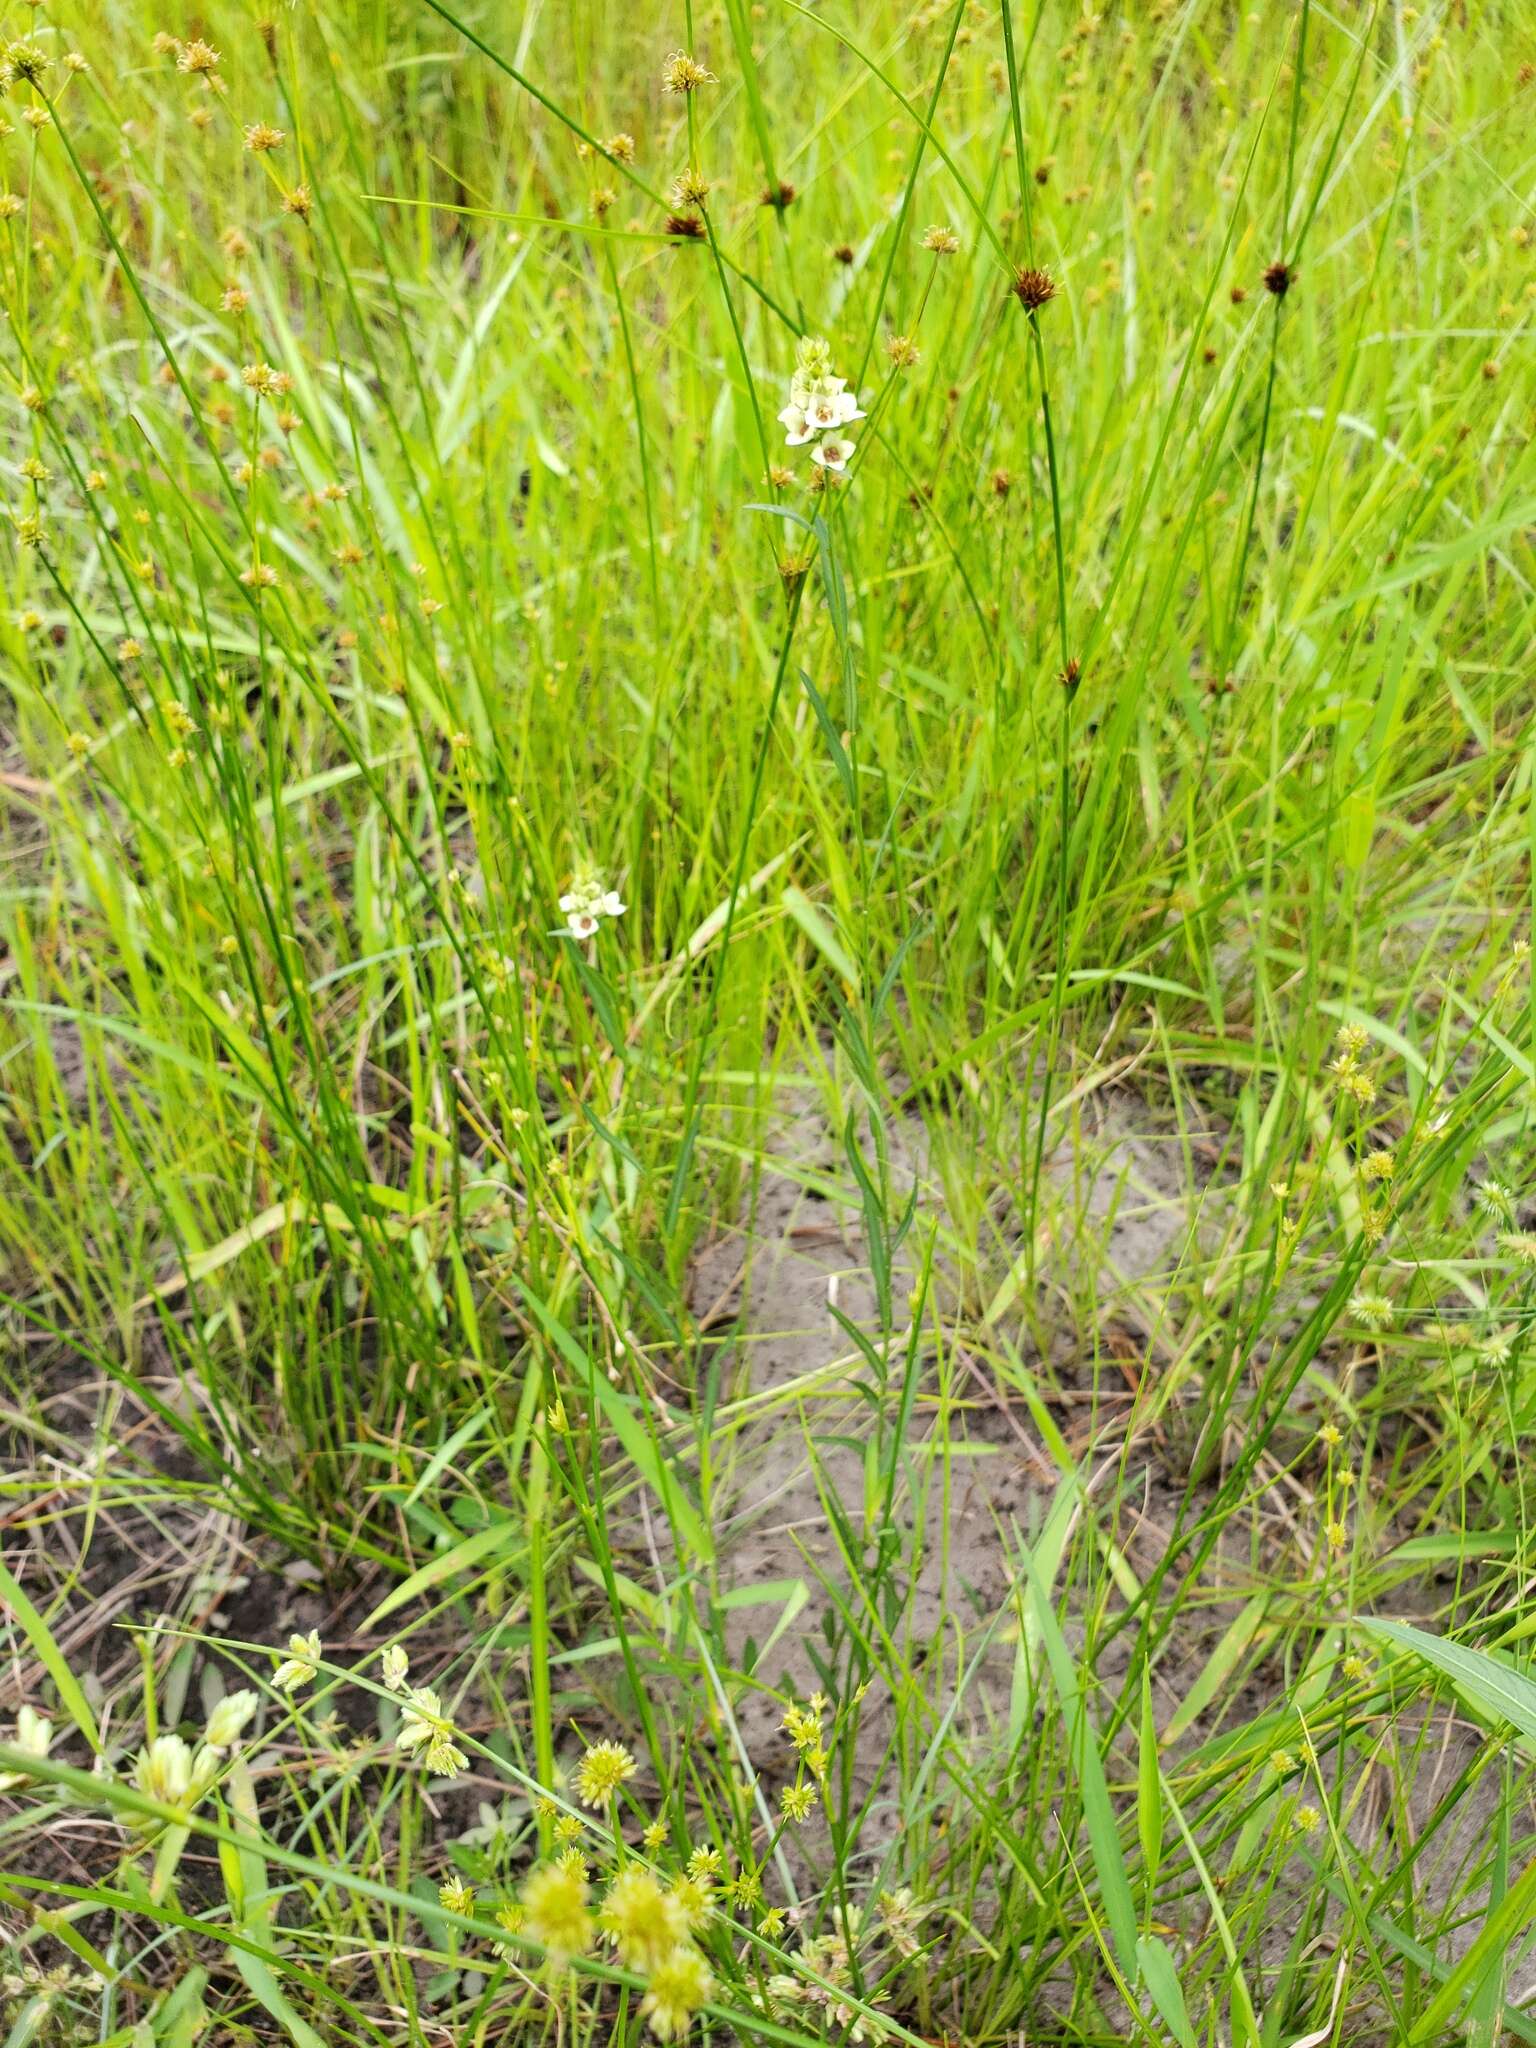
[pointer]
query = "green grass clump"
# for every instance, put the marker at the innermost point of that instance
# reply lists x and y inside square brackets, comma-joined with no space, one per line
[765,883]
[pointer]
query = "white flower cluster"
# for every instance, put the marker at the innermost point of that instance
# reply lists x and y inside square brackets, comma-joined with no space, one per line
[819,407]
[33,1734]
[424,1728]
[170,1771]
[586,904]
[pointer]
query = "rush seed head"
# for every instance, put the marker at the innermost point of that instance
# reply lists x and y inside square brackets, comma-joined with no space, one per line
[679,1985]
[690,188]
[602,1771]
[1033,288]
[554,1911]
[26,61]
[1278,279]
[683,74]
[643,1922]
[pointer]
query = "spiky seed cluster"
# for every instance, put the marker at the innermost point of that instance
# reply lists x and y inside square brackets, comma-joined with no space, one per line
[1033,288]
[197,58]
[689,188]
[682,73]
[686,227]
[778,196]
[642,1921]
[941,241]
[554,1910]
[26,61]
[899,1917]
[678,1987]
[796,1801]
[1278,279]
[826,1957]
[601,1772]
[1374,1310]
[1345,1067]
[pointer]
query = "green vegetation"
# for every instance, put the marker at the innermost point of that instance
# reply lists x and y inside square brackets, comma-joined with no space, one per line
[766,1047]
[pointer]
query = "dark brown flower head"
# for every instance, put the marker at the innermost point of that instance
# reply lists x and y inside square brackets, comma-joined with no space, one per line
[1239,293]
[1071,676]
[777,196]
[1278,279]
[686,226]
[1002,483]
[1033,288]
[842,253]
[1043,172]
[1208,355]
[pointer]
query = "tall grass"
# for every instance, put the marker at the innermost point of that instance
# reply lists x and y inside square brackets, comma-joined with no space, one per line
[1105,810]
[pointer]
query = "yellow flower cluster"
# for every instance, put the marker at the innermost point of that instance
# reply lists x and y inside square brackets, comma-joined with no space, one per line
[647,1925]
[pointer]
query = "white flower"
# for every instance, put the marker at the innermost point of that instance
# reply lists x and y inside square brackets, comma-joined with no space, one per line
[424,1726]
[586,904]
[820,405]
[301,1663]
[797,429]
[33,1735]
[228,1718]
[829,410]
[802,389]
[833,454]
[164,1770]
[393,1666]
